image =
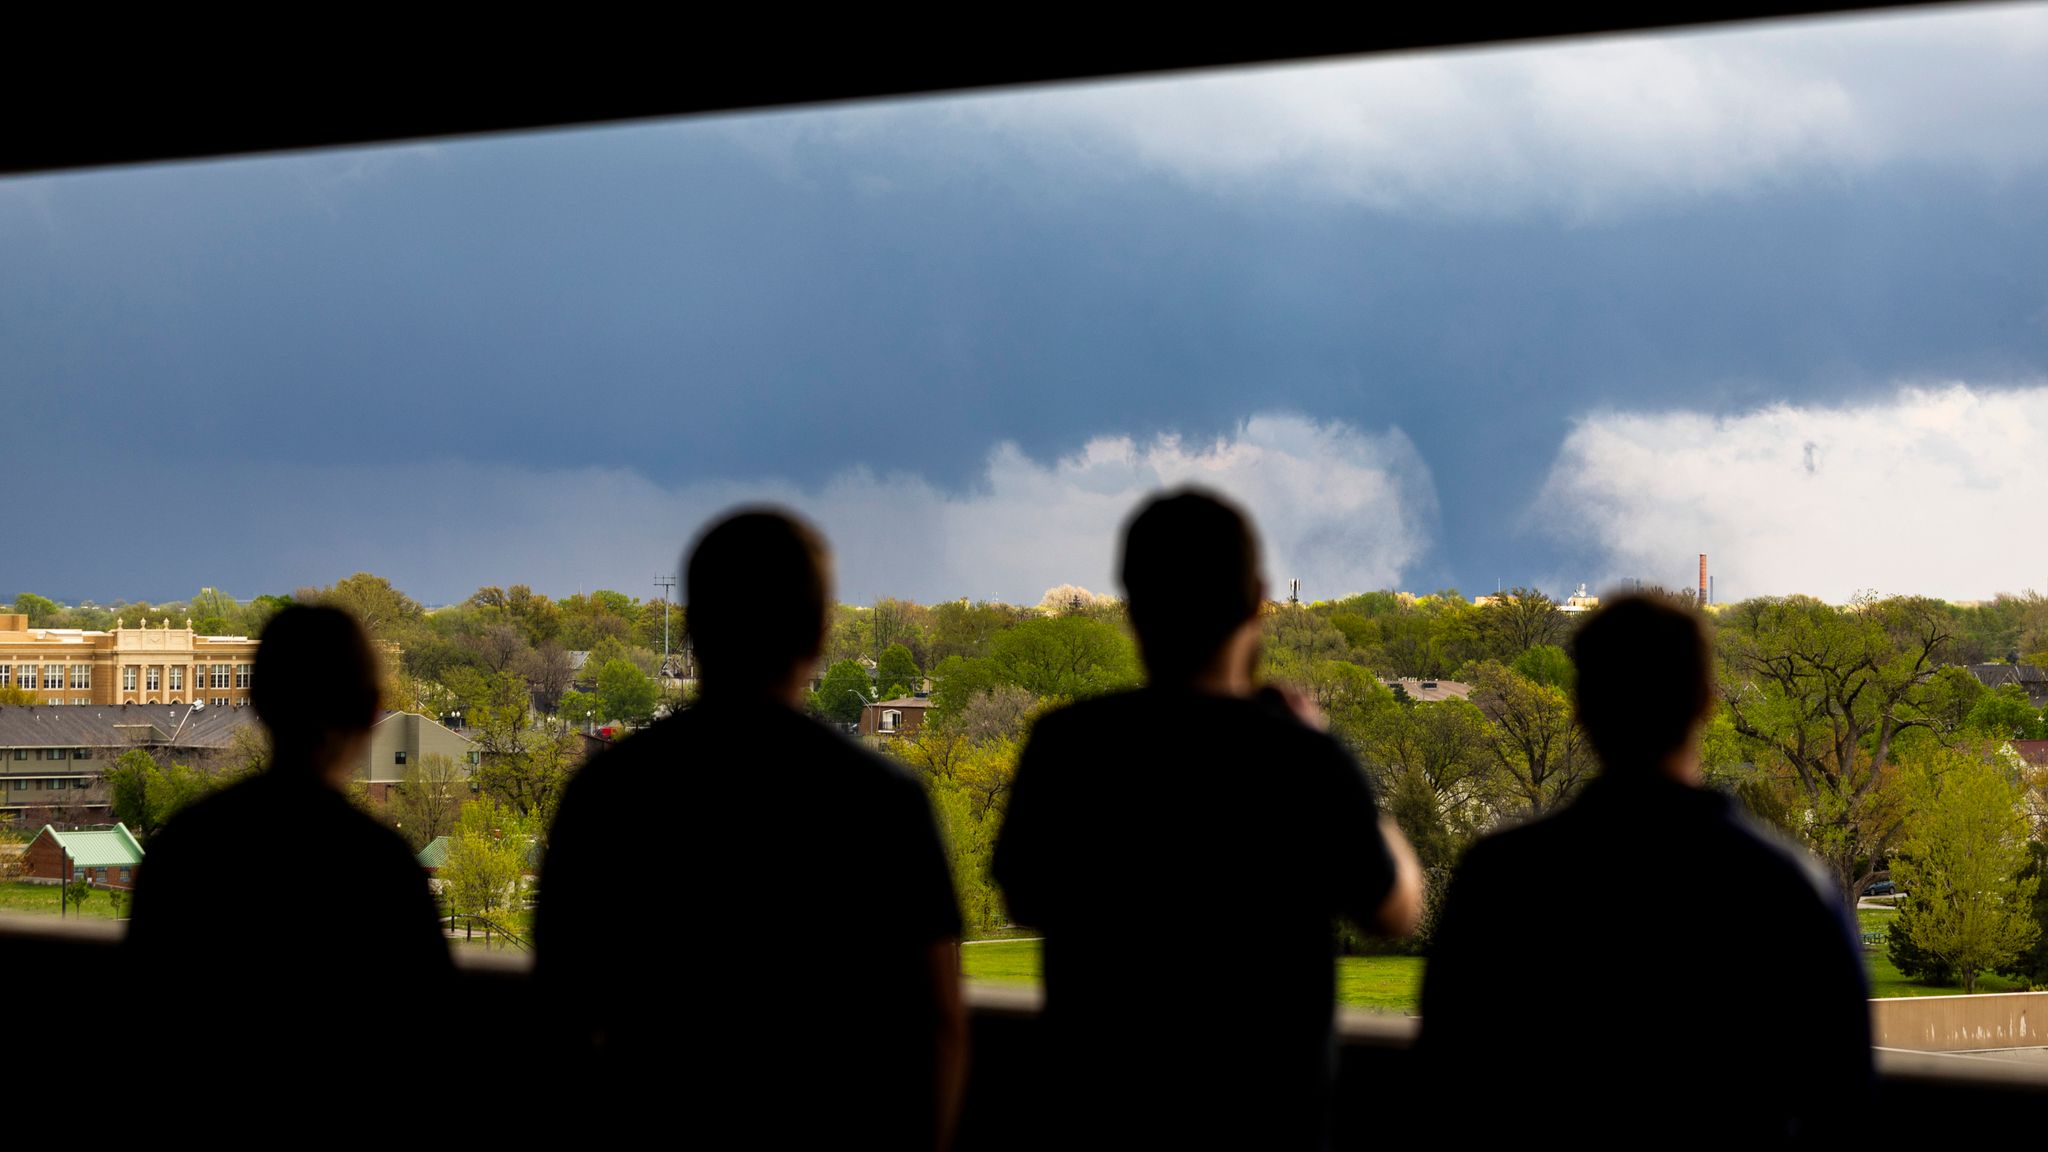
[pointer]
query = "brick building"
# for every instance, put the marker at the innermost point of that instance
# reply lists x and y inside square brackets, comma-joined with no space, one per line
[108,856]
[145,664]
[899,717]
[52,759]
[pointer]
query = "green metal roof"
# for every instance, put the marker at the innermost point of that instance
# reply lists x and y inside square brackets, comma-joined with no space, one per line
[101,848]
[434,854]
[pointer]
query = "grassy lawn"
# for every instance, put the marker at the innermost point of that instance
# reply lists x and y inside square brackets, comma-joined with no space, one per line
[1001,961]
[19,897]
[1887,981]
[1380,983]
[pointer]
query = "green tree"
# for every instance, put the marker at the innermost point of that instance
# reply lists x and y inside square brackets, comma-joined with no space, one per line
[524,761]
[1057,658]
[627,693]
[1547,664]
[78,892]
[145,795]
[1445,749]
[1533,737]
[487,855]
[897,674]
[428,800]
[2004,713]
[38,609]
[385,612]
[1824,694]
[842,693]
[1517,620]
[579,708]
[1963,864]
[9,694]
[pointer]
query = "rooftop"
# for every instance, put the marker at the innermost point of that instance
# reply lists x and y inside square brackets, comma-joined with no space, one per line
[98,847]
[120,725]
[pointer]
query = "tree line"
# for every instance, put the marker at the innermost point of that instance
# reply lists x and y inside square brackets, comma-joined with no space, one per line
[1854,729]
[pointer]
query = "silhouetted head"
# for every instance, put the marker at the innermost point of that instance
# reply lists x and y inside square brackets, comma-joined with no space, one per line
[1645,679]
[1191,579]
[314,684]
[758,584]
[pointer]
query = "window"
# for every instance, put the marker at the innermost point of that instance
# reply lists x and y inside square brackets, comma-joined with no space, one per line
[177,679]
[891,719]
[81,676]
[21,753]
[80,782]
[400,758]
[26,675]
[100,874]
[78,872]
[128,678]
[81,754]
[242,675]
[476,757]
[124,875]
[219,701]
[153,678]
[21,785]
[82,700]
[53,675]
[6,675]
[54,754]
[220,675]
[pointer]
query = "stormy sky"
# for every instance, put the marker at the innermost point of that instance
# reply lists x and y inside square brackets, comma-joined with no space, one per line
[1551,314]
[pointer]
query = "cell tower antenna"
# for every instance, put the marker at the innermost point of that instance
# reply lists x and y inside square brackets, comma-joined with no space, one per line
[667,584]
[1294,593]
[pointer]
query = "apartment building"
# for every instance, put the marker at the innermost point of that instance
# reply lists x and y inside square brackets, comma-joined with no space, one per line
[143,662]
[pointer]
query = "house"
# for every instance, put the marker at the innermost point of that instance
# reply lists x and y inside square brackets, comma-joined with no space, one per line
[2034,752]
[399,739]
[899,717]
[2031,678]
[106,855]
[1430,691]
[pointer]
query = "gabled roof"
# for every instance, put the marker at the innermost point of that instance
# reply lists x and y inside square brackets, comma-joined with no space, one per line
[97,848]
[1992,675]
[434,854]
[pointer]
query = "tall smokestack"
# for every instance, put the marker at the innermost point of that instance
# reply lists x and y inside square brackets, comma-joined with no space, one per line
[1703,579]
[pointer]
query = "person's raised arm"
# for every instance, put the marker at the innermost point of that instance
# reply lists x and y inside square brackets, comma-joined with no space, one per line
[1401,912]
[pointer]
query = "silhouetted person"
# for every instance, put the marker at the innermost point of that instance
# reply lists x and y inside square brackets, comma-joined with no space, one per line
[1646,966]
[285,945]
[746,921]
[1186,848]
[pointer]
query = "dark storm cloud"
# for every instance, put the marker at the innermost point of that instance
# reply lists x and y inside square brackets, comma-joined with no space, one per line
[1473,250]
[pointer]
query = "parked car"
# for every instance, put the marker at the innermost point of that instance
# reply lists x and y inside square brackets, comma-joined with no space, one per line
[1879,888]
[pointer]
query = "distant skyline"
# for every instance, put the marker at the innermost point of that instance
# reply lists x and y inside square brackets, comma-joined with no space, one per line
[1545,314]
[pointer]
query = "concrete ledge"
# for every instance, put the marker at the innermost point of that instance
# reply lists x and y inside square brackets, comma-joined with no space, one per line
[1379,1097]
[1961,1023]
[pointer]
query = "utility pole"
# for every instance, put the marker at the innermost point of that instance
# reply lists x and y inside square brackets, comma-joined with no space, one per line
[667,585]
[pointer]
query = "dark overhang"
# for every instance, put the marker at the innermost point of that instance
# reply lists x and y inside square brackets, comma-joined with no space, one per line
[118,94]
